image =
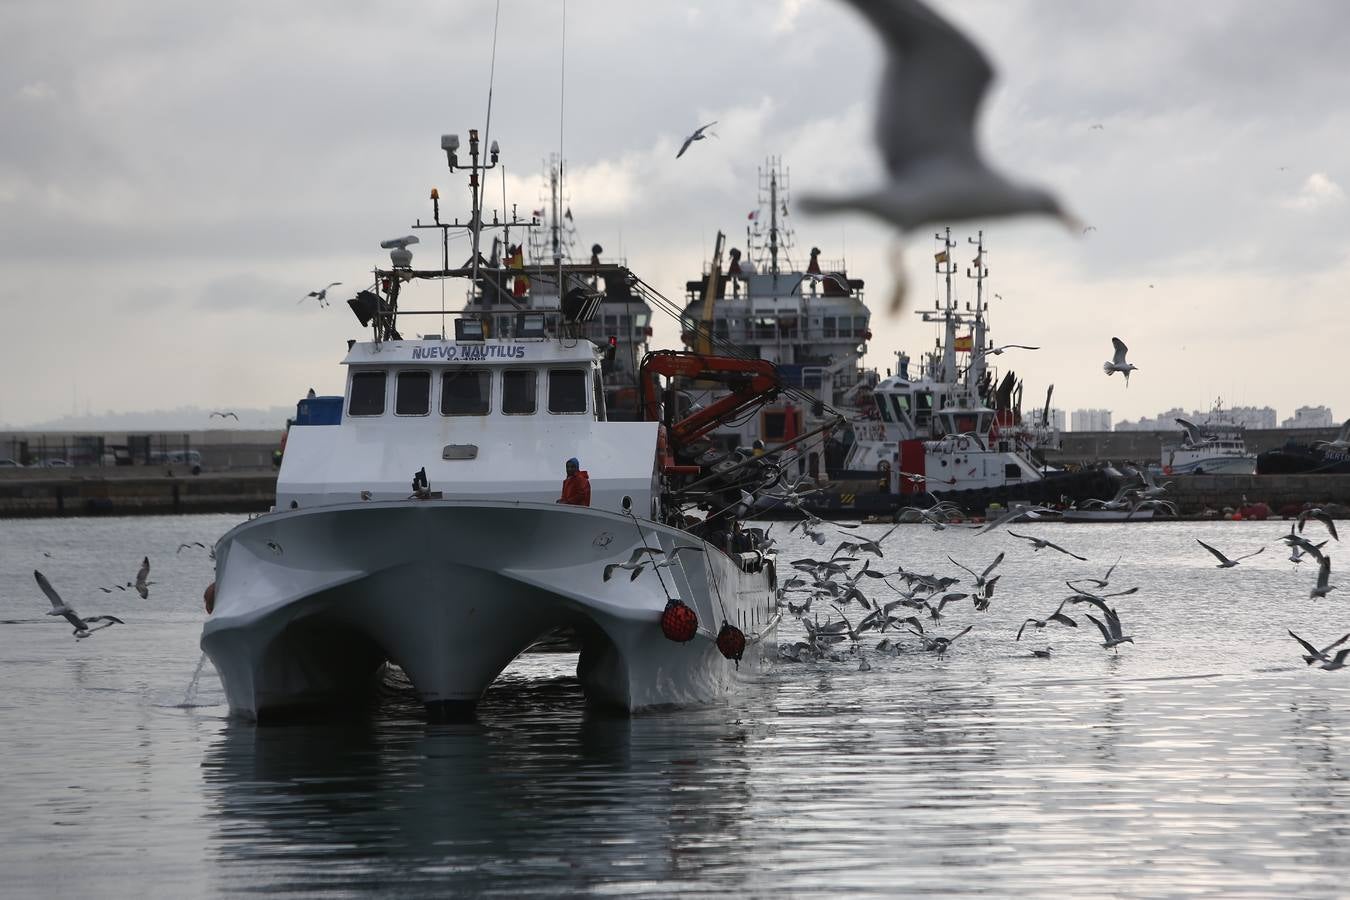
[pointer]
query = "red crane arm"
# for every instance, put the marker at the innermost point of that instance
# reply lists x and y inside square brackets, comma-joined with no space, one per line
[750,381]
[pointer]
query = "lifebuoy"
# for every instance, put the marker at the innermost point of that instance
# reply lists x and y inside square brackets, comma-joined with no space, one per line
[883,465]
[963,443]
[1167,470]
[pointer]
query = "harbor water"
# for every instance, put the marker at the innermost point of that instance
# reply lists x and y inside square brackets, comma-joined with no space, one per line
[1204,759]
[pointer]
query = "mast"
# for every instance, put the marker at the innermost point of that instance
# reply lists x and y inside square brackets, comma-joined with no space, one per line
[946,267]
[554,190]
[773,219]
[975,372]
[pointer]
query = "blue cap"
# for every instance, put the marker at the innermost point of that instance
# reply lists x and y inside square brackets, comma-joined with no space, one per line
[573,462]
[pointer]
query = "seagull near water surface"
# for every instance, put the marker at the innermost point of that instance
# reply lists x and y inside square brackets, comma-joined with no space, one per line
[1224,561]
[934,81]
[60,608]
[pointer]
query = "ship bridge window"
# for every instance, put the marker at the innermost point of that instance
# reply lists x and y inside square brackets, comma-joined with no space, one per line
[466,392]
[567,391]
[883,407]
[412,394]
[829,327]
[901,403]
[367,398]
[518,392]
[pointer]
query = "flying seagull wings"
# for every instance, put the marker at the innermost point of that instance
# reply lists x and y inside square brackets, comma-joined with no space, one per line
[1121,350]
[1106,632]
[931,89]
[1217,554]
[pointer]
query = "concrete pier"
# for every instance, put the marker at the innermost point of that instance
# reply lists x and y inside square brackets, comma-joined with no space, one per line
[133,491]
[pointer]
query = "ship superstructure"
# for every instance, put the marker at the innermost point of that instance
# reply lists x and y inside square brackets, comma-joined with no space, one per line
[801,312]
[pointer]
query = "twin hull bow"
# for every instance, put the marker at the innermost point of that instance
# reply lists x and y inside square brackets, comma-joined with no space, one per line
[311,603]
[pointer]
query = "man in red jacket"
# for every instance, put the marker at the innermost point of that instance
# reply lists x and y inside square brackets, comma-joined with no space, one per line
[576,489]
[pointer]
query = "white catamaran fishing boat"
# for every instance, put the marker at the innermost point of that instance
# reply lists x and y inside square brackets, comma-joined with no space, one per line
[418,522]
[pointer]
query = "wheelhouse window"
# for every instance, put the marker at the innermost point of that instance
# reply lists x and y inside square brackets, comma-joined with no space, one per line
[412,394]
[367,397]
[567,391]
[518,392]
[466,392]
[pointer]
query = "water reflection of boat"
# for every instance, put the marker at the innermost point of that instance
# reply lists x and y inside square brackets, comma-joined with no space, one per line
[540,797]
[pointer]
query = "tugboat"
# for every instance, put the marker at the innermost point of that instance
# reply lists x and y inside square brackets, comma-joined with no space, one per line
[950,432]
[809,320]
[418,520]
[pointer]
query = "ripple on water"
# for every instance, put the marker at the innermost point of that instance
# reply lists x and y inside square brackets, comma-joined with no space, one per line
[1204,759]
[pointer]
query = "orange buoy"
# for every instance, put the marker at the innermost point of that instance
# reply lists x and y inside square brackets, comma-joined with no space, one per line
[209,598]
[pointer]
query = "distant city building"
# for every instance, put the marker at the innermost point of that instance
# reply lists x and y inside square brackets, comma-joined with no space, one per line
[1057,419]
[1246,416]
[1309,417]
[1090,420]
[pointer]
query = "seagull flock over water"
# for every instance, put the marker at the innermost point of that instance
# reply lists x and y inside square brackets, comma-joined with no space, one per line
[901,601]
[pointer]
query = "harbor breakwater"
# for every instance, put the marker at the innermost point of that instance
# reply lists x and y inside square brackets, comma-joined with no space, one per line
[41,493]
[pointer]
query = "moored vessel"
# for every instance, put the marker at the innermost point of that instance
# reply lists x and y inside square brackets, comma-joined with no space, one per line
[418,520]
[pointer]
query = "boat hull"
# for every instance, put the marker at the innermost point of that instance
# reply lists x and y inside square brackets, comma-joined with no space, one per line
[1214,465]
[1301,459]
[853,498]
[310,604]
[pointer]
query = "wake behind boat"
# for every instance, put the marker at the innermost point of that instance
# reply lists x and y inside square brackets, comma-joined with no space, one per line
[419,524]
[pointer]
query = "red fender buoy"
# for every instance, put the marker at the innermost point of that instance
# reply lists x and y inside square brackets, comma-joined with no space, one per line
[731,641]
[679,623]
[209,598]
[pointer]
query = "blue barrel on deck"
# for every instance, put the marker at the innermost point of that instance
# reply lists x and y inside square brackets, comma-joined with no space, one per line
[319,411]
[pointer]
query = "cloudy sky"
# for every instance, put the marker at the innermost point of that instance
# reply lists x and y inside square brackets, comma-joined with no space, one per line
[175,176]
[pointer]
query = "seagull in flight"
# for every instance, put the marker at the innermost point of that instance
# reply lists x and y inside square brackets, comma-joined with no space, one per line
[321,294]
[1118,363]
[1342,441]
[142,584]
[982,578]
[1112,637]
[1194,436]
[817,278]
[1320,515]
[59,608]
[1338,662]
[1225,562]
[1057,616]
[1323,587]
[1301,547]
[698,135]
[932,86]
[643,557]
[1099,583]
[225,414]
[1315,655]
[998,351]
[1039,544]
